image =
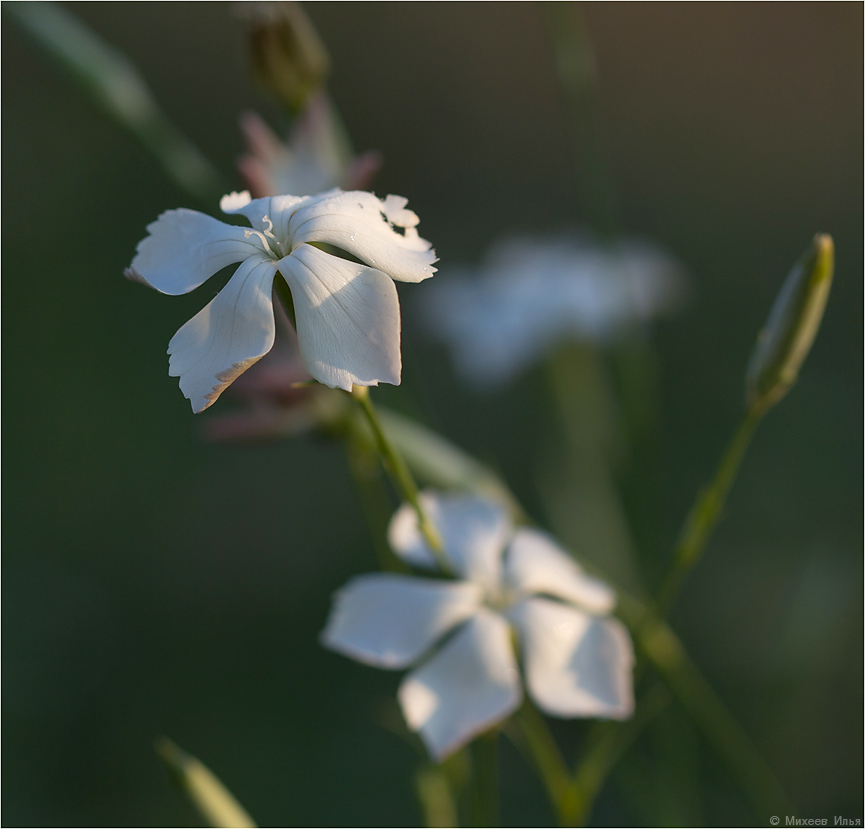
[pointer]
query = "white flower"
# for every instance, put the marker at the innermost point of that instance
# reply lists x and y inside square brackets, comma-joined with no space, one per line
[577,659]
[348,322]
[530,294]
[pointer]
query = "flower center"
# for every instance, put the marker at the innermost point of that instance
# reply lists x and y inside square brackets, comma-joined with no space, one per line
[500,598]
[273,247]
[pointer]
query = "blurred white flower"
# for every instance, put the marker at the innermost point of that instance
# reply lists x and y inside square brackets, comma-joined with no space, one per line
[532,293]
[348,321]
[576,658]
[314,160]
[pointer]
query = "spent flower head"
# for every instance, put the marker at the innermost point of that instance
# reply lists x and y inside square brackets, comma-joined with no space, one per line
[347,312]
[577,659]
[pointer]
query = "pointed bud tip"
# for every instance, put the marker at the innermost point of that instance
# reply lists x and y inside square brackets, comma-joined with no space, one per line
[170,753]
[793,322]
[824,244]
[206,792]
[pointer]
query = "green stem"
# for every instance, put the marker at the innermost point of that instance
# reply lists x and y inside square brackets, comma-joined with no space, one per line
[547,758]
[485,780]
[578,84]
[373,500]
[706,511]
[581,499]
[441,464]
[678,671]
[117,87]
[663,648]
[660,646]
[606,744]
[436,797]
[401,477]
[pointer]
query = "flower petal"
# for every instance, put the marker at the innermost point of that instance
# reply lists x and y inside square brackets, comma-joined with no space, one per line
[576,664]
[474,532]
[233,331]
[468,686]
[390,620]
[536,564]
[363,225]
[185,248]
[348,325]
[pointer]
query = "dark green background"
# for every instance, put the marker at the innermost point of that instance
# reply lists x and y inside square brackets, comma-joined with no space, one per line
[155,584]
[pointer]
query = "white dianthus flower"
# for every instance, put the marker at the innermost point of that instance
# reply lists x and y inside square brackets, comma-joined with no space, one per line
[577,659]
[348,320]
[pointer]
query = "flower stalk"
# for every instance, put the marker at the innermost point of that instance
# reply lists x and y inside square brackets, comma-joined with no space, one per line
[578,85]
[706,511]
[607,743]
[781,349]
[401,477]
[667,655]
[485,780]
[436,797]
[547,759]
[116,86]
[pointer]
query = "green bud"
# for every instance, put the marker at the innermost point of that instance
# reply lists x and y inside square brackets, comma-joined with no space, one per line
[793,321]
[213,801]
[288,56]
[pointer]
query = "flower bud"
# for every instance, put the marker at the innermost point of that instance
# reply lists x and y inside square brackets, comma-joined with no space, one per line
[288,56]
[213,801]
[793,321]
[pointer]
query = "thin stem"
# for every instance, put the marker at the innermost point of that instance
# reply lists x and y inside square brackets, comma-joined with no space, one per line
[606,744]
[706,511]
[485,780]
[548,760]
[578,85]
[582,502]
[436,797]
[114,83]
[663,648]
[367,480]
[681,675]
[440,463]
[401,477]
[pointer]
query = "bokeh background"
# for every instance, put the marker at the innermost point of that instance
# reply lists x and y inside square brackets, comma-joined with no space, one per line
[156,584]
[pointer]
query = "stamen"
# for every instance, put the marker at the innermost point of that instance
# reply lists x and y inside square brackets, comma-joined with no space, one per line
[248,233]
[269,230]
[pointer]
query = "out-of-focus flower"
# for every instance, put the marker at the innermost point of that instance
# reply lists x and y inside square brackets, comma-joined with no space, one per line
[347,313]
[315,159]
[531,294]
[576,658]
